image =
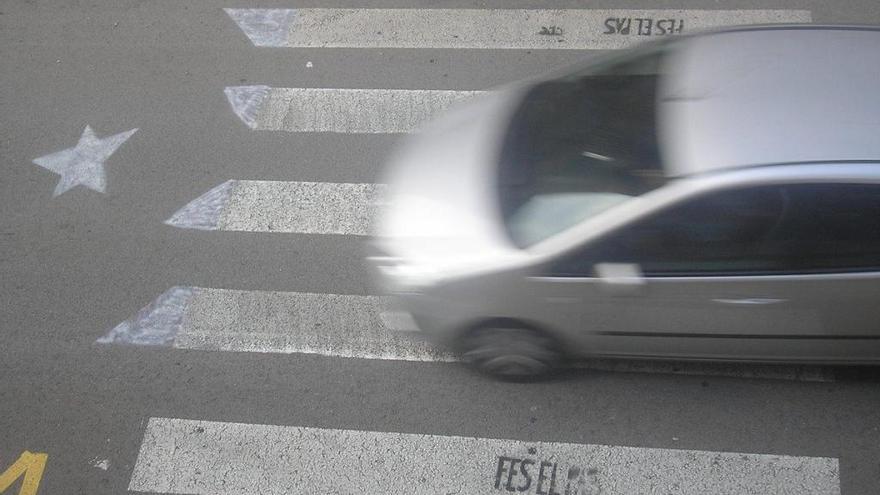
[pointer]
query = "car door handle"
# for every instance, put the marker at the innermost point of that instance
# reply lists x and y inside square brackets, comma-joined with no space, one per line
[750,301]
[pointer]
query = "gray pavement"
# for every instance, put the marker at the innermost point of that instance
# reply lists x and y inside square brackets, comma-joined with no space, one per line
[74,266]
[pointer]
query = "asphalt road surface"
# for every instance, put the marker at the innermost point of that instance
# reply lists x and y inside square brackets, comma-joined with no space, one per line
[185,187]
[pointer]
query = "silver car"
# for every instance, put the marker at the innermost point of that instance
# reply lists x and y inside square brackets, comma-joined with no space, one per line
[711,197]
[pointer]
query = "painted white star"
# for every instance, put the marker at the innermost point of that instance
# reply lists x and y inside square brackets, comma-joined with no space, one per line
[84,163]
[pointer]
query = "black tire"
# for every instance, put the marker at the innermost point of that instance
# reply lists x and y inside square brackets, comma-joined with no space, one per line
[510,351]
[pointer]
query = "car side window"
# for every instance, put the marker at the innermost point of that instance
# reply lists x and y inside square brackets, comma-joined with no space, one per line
[830,227]
[719,233]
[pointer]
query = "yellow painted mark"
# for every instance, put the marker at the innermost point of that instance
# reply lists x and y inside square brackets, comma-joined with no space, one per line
[31,466]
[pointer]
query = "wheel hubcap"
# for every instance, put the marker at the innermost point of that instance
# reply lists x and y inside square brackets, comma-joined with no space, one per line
[510,352]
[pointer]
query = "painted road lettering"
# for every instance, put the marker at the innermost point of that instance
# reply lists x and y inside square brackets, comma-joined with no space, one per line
[543,477]
[551,31]
[29,467]
[643,26]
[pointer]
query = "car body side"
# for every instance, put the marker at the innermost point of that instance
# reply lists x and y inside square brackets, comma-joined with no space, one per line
[602,318]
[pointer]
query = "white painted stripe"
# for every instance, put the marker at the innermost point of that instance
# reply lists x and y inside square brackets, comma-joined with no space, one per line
[272,322]
[278,206]
[366,111]
[204,457]
[363,327]
[481,28]
[304,207]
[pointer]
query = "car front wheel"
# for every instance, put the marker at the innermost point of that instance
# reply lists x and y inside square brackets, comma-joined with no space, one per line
[511,352]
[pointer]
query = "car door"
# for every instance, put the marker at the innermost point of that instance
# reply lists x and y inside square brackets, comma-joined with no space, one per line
[696,279]
[831,234]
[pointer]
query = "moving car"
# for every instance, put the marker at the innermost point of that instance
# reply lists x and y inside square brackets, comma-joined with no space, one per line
[714,196]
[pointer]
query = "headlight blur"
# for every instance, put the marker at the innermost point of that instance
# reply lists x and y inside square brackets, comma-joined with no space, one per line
[399,276]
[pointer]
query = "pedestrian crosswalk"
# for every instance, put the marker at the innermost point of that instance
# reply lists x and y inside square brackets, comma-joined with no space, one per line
[316,208]
[185,456]
[258,206]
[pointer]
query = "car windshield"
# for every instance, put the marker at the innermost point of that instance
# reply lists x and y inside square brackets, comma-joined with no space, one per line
[579,145]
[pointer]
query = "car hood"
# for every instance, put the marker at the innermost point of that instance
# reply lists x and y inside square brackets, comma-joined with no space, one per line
[441,203]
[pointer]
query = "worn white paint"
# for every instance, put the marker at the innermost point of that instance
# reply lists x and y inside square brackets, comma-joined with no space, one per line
[204,212]
[156,324]
[583,29]
[84,163]
[278,206]
[272,322]
[264,27]
[369,111]
[102,464]
[180,456]
[246,102]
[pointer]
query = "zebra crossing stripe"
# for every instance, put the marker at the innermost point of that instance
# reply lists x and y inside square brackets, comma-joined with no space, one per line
[351,326]
[279,206]
[363,111]
[486,28]
[273,322]
[195,457]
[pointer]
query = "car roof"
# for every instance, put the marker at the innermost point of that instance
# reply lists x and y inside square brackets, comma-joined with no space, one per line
[744,97]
